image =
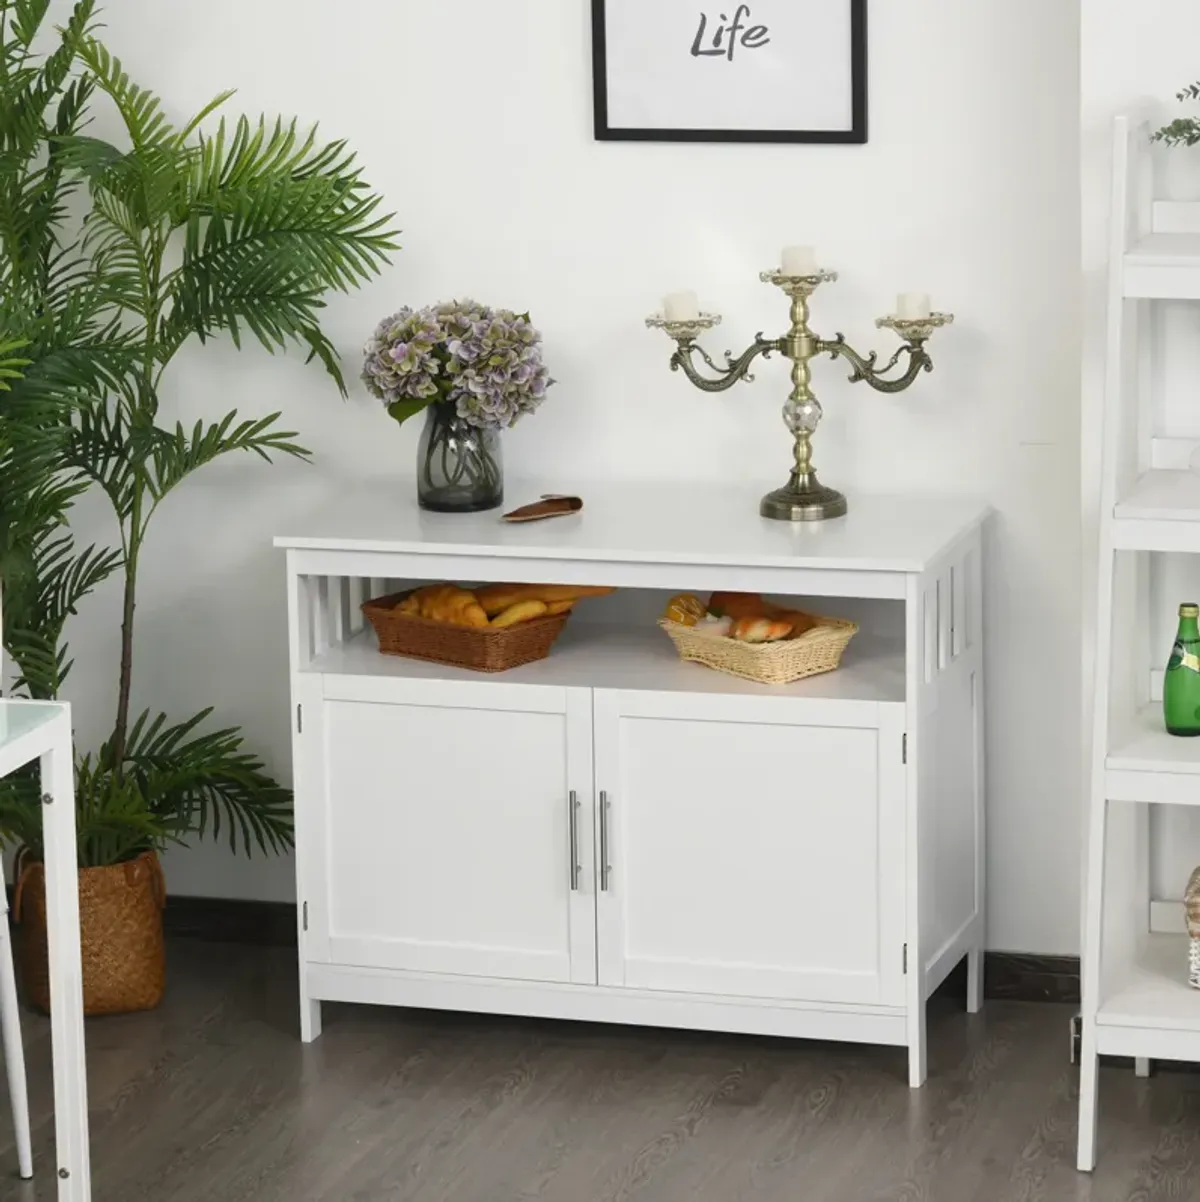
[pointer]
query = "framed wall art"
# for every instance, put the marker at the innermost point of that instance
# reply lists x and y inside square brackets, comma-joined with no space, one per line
[718,71]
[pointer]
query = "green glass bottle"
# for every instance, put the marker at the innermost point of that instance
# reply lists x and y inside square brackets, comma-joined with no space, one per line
[1181,689]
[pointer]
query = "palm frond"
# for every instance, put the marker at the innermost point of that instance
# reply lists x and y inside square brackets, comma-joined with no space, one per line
[11,365]
[205,782]
[176,455]
[140,109]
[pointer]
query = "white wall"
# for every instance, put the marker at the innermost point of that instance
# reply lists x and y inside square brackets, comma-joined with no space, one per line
[474,119]
[1138,57]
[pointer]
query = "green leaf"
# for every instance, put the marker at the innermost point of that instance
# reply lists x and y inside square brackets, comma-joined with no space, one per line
[403,410]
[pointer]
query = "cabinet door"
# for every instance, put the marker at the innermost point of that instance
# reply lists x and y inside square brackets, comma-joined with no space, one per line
[755,846]
[446,829]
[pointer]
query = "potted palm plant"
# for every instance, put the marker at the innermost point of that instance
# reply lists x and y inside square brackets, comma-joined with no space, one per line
[192,231]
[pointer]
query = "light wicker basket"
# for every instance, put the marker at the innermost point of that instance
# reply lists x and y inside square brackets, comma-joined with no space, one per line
[817,650]
[1192,902]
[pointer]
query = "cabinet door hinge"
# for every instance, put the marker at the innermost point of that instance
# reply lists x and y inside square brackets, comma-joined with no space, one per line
[906,959]
[299,719]
[904,750]
[304,913]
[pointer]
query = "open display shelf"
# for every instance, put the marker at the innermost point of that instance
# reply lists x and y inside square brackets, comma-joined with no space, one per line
[1136,998]
[621,657]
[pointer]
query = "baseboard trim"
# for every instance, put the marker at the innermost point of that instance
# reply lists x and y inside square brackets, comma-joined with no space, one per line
[231,920]
[1007,976]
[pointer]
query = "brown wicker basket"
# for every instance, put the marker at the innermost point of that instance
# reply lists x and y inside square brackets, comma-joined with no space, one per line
[1192,904]
[121,935]
[481,648]
[817,650]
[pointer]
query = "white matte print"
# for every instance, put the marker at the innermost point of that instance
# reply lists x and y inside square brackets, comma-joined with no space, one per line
[713,70]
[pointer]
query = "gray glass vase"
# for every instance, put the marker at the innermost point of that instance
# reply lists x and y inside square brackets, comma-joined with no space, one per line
[460,468]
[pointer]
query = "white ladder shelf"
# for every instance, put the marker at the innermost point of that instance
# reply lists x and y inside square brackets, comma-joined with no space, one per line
[1136,1000]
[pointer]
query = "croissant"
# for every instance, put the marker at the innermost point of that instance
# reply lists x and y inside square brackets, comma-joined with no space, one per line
[450,604]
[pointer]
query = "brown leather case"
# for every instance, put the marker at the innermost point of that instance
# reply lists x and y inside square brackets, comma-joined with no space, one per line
[550,506]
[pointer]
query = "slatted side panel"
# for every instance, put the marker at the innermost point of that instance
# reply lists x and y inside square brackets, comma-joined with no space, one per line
[951,748]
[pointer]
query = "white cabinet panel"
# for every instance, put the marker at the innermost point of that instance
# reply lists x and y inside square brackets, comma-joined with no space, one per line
[751,858]
[447,837]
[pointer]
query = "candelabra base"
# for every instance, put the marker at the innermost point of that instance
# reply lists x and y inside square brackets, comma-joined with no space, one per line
[803,499]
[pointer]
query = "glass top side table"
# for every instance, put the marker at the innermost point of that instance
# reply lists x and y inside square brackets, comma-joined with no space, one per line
[41,730]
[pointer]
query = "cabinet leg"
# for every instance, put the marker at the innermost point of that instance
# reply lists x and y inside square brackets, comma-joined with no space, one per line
[918,1065]
[975,980]
[310,1020]
[1088,1096]
[1142,1066]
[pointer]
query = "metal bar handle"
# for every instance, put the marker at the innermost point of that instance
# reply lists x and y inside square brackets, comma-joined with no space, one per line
[605,866]
[573,820]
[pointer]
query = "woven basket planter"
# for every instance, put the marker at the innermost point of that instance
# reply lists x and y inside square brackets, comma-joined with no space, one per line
[817,650]
[1192,902]
[483,649]
[121,935]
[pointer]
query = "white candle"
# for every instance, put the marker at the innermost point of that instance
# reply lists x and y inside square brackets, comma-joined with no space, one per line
[799,260]
[681,306]
[913,306]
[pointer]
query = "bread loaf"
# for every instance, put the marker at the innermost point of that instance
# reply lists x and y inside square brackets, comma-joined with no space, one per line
[496,598]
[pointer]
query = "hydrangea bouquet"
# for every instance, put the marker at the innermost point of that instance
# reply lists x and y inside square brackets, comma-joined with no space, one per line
[475,370]
[485,362]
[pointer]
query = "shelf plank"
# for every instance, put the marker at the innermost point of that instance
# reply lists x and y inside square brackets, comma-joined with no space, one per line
[1146,764]
[1154,993]
[1164,266]
[1161,512]
[618,657]
[624,522]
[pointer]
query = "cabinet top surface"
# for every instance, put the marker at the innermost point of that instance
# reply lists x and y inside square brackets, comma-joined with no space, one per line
[648,523]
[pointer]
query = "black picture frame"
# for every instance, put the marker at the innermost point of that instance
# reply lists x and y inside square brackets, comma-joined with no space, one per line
[855,135]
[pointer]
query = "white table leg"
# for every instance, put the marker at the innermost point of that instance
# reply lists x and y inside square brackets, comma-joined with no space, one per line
[14,1053]
[1089,1068]
[66,977]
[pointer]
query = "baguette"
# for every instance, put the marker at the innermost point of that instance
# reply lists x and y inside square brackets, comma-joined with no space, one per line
[523,611]
[496,598]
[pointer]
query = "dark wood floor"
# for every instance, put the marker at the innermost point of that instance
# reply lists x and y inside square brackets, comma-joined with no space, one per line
[213,1097]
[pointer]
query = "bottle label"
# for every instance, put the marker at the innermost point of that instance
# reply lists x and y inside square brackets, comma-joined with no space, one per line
[1182,657]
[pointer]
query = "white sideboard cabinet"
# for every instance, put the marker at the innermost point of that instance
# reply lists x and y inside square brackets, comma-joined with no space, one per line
[613,835]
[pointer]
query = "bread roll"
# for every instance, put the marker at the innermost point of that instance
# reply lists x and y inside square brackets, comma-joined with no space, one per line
[760,630]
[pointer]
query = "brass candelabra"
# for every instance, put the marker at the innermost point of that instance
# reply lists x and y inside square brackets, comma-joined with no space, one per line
[804,498]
